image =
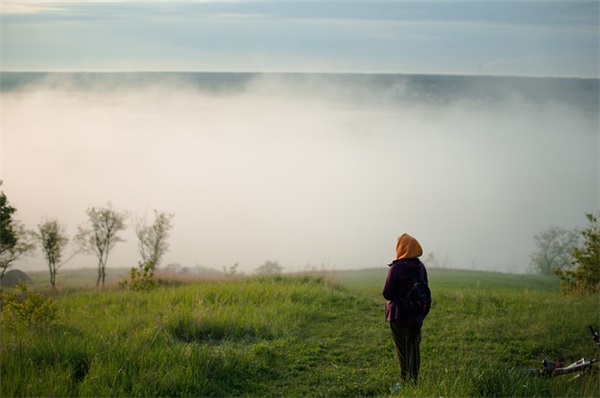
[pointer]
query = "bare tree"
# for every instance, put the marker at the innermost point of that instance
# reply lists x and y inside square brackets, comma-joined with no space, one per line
[232,271]
[437,260]
[15,240]
[53,239]
[153,239]
[99,235]
[555,246]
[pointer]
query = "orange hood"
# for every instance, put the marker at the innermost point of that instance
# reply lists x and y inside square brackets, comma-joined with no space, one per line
[408,247]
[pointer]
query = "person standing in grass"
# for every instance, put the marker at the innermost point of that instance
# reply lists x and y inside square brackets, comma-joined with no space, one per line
[405,325]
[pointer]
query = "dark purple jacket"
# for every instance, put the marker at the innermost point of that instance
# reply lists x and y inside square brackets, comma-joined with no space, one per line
[396,286]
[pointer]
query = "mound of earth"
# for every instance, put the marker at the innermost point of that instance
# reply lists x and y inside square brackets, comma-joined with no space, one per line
[13,277]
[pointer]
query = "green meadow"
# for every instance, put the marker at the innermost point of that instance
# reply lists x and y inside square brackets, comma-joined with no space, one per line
[317,335]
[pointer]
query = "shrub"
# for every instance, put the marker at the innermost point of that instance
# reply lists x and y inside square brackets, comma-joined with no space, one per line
[141,278]
[24,308]
[585,274]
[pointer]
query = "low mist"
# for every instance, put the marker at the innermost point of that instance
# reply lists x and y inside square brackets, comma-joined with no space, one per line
[307,170]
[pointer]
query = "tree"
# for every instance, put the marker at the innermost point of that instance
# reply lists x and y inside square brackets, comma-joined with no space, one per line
[152,240]
[15,240]
[554,249]
[51,236]
[269,268]
[232,271]
[100,234]
[585,274]
[437,261]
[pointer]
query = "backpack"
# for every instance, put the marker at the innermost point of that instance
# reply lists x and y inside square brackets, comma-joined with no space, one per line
[417,301]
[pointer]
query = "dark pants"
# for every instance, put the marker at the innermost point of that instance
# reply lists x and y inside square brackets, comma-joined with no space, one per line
[407,340]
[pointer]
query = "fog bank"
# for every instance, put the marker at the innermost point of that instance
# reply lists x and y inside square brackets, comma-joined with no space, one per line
[318,170]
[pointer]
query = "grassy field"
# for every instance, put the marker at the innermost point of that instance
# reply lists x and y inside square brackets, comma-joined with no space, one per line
[319,335]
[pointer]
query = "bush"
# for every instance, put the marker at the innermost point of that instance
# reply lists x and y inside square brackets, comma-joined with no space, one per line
[141,278]
[585,274]
[24,308]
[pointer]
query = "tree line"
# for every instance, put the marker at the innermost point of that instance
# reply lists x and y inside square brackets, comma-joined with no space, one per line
[97,236]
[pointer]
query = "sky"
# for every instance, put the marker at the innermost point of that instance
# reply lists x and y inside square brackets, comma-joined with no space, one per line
[524,38]
[305,170]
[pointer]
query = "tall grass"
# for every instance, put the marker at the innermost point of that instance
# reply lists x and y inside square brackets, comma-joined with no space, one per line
[300,336]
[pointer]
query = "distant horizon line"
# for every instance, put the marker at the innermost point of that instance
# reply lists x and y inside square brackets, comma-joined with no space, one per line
[233,72]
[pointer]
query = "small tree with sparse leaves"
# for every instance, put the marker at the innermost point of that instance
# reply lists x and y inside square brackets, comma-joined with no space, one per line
[100,235]
[153,239]
[53,239]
